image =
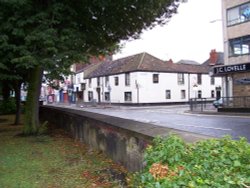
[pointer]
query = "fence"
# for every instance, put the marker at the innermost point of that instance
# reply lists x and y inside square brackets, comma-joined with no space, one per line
[236,102]
[206,104]
[202,104]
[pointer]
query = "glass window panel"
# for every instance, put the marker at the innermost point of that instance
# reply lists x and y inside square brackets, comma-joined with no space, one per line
[168,94]
[106,81]
[107,96]
[180,78]
[116,81]
[199,94]
[245,12]
[212,93]
[245,49]
[183,94]
[128,96]
[127,79]
[233,16]
[238,14]
[239,46]
[199,79]
[155,78]
[237,49]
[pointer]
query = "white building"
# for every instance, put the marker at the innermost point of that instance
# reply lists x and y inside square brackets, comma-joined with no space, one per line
[144,79]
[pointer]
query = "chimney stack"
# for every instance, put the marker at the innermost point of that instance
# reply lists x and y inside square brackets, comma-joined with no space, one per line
[213,57]
[170,61]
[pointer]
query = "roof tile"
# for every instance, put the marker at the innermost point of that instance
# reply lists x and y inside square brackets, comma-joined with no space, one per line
[144,62]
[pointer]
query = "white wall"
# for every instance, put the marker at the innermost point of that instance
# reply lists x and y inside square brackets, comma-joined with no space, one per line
[150,92]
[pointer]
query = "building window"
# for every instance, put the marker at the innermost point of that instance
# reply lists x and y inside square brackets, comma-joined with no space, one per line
[212,80]
[212,94]
[98,81]
[199,94]
[78,79]
[168,94]
[238,14]
[106,81]
[127,79]
[90,83]
[107,96]
[180,78]
[155,78]
[83,86]
[199,80]
[183,94]
[239,46]
[128,96]
[116,81]
[90,95]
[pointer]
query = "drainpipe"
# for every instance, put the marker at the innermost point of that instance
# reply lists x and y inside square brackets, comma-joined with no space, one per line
[227,86]
[137,88]
[188,87]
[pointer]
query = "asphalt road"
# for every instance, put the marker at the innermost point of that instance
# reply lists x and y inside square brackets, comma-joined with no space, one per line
[177,118]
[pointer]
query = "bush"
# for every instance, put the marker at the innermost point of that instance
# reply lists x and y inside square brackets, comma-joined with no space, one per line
[8,106]
[170,162]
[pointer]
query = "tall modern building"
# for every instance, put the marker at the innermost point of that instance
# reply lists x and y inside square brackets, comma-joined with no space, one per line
[236,30]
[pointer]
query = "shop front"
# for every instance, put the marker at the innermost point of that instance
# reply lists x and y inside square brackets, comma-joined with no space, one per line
[236,84]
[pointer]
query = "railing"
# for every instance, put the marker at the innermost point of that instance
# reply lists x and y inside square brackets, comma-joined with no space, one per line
[207,104]
[202,104]
[236,102]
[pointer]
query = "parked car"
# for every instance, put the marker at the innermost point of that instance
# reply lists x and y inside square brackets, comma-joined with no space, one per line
[218,103]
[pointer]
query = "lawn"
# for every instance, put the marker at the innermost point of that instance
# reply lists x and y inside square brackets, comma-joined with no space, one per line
[52,160]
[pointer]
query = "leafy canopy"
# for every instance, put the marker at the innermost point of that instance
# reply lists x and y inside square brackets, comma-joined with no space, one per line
[54,34]
[50,35]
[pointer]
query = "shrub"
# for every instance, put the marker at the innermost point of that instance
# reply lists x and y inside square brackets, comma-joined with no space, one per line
[8,106]
[170,162]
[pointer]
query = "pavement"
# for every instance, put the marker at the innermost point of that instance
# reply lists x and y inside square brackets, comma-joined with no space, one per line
[208,111]
[219,113]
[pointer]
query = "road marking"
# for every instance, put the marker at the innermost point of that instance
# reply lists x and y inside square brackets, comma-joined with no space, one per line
[197,126]
[158,111]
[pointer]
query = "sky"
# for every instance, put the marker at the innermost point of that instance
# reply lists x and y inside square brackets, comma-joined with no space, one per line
[190,35]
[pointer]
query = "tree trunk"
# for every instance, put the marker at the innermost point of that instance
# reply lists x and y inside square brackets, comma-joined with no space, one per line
[17,88]
[31,125]
[6,90]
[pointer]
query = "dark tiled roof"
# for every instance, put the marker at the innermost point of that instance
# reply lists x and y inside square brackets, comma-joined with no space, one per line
[188,62]
[88,70]
[143,62]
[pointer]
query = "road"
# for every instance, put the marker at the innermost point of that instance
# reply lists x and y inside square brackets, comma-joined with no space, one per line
[177,118]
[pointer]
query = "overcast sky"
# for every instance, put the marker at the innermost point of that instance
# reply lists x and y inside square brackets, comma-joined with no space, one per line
[189,35]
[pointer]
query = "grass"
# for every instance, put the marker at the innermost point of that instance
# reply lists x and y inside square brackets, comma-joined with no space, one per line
[51,161]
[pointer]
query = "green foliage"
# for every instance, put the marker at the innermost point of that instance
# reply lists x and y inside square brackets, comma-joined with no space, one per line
[8,106]
[53,35]
[216,163]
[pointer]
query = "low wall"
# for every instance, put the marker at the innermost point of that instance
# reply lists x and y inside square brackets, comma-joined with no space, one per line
[237,110]
[122,140]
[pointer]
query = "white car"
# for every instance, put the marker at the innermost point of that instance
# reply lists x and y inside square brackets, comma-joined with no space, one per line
[218,103]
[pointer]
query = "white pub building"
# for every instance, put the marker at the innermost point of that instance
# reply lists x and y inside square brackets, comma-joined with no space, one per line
[145,79]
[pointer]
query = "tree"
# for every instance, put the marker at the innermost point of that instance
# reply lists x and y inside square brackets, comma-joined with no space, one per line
[11,75]
[51,35]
